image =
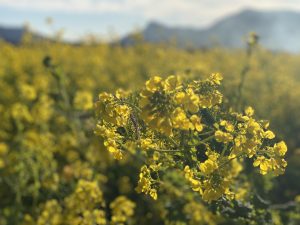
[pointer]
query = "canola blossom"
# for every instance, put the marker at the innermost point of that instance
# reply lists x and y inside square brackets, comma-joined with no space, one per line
[187,125]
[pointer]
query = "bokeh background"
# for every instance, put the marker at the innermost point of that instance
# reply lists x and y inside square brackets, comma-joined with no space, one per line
[57,56]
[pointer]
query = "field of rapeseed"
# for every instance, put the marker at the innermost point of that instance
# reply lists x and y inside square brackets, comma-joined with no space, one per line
[103,134]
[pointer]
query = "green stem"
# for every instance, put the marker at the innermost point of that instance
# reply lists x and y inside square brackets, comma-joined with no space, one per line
[243,75]
[207,139]
[167,150]
[224,150]
[206,133]
[204,141]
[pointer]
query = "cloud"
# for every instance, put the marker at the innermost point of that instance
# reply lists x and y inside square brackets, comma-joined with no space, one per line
[147,6]
[68,5]
[177,12]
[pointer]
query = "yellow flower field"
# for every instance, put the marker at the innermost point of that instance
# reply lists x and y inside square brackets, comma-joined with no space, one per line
[148,134]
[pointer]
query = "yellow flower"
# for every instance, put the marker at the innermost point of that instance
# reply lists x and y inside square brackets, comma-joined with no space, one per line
[196,123]
[153,84]
[109,109]
[208,166]
[223,136]
[156,102]
[110,137]
[191,101]
[99,217]
[249,111]
[122,209]
[265,124]
[216,78]
[172,83]
[228,126]
[156,156]
[146,143]
[205,101]
[196,185]
[87,196]
[254,127]
[179,97]
[263,163]
[188,172]
[155,167]
[153,194]
[280,148]
[242,118]
[115,152]
[239,140]
[121,114]
[51,214]
[120,93]
[180,120]
[188,99]
[144,185]
[104,97]
[214,188]
[269,134]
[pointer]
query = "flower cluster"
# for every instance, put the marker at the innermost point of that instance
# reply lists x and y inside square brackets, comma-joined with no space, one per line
[185,126]
[122,209]
[271,160]
[86,196]
[145,183]
[167,104]
[51,213]
[85,206]
[113,116]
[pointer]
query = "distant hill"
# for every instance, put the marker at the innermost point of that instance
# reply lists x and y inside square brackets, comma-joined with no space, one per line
[278,30]
[12,35]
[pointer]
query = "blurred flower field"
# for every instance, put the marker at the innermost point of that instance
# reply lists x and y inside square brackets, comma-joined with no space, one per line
[148,134]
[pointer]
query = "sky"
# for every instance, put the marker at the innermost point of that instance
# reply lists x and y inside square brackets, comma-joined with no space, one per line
[107,18]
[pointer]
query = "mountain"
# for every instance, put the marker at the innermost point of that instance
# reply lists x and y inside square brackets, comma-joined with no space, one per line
[277,30]
[12,35]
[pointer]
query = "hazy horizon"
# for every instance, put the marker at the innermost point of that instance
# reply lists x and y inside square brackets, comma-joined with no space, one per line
[118,17]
